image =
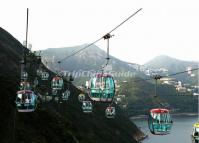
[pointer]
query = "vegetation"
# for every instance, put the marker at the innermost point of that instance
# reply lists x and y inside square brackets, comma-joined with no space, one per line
[140,97]
[173,66]
[53,122]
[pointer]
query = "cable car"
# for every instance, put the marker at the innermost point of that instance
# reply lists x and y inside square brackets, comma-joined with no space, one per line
[26,101]
[36,82]
[57,83]
[195,132]
[25,86]
[87,106]
[110,112]
[39,72]
[54,92]
[81,97]
[65,95]
[24,75]
[44,76]
[159,121]
[102,87]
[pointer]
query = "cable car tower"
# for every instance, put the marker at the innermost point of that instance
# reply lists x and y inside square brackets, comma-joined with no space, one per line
[26,99]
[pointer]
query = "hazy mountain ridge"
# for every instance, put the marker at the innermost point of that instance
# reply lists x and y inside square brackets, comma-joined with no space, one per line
[91,58]
[172,64]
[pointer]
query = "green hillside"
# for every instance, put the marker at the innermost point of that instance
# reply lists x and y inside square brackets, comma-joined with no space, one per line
[53,122]
[88,61]
[140,97]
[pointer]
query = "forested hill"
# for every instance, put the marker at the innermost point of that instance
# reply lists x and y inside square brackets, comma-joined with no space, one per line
[140,97]
[53,122]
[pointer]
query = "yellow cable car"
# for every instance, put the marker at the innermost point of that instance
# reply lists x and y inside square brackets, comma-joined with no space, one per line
[81,97]
[195,132]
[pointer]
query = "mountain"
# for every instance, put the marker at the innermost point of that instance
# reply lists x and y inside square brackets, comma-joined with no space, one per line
[9,47]
[92,58]
[174,66]
[53,122]
[87,62]
[171,64]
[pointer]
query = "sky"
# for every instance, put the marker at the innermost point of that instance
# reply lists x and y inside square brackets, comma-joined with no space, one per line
[162,27]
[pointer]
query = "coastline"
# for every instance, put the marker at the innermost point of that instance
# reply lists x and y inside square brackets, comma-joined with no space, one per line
[140,138]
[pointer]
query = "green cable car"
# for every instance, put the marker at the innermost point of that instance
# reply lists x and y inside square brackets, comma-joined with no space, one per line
[159,121]
[24,75]
[39,72]
[44,76]
[57,83]
[65,95]
[110,112]
[54,92]
[26,101]
[87,106]
[102,88]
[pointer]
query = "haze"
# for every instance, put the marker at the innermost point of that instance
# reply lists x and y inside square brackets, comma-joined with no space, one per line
[163,27]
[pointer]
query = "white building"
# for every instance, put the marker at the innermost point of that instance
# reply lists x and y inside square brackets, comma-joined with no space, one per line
[181,89]
[168,80]
[189,70]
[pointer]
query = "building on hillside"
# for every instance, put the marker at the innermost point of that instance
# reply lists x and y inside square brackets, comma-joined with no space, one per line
[118,99]
[147,72]
[181,89]
[117,86]
[192,75]
[168,80]
[189,68]
[195,94]
[163,71]
[122,96]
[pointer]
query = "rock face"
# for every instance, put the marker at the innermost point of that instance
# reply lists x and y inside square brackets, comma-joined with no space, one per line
[53,122]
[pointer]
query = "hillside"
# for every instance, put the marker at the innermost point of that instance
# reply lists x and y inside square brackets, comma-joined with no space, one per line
[91,58]
[141,93]
[88,61]
[173,66]
[52,122]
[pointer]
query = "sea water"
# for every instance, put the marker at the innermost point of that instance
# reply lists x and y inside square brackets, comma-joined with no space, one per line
[180,133]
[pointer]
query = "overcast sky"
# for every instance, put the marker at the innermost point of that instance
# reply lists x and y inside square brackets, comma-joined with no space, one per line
[169,27]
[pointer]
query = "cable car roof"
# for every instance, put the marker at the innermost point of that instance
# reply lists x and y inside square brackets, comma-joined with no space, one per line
[159,110]
[196,125]
[24,91]
[110,107]
[25,82]
[57,78]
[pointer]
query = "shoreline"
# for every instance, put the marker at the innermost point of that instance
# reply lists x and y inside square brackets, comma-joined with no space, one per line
[146,136]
